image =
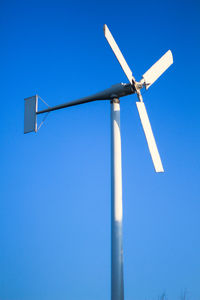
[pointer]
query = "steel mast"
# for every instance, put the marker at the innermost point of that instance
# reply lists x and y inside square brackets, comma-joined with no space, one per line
[117,282]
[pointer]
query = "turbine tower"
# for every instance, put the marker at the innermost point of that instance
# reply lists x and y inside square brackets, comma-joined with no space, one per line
[113,94]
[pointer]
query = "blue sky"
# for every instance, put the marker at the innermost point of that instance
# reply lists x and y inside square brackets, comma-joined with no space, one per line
[55,185]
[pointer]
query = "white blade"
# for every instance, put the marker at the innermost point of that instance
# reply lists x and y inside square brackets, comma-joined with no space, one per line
[118,54]
[150,137]
[158,68]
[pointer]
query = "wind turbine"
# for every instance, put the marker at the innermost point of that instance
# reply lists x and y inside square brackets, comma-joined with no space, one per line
[113,94]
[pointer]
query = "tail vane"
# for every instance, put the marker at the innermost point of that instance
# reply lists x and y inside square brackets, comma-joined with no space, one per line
[30,114]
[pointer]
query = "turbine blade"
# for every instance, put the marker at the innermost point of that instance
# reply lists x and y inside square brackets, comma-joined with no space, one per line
[118,54]
[158,69]
[150,137]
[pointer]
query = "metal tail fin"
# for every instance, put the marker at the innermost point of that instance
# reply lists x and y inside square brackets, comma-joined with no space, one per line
[30,116]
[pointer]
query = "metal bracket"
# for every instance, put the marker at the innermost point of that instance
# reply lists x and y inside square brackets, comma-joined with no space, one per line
[115,100]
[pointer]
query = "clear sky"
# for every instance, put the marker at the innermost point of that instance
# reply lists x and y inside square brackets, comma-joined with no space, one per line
[55,185]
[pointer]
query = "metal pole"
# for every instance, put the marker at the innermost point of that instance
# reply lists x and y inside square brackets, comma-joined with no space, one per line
[117,282]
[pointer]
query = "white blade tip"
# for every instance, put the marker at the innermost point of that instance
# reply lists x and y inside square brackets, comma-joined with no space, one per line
[158,69]
[150,137]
